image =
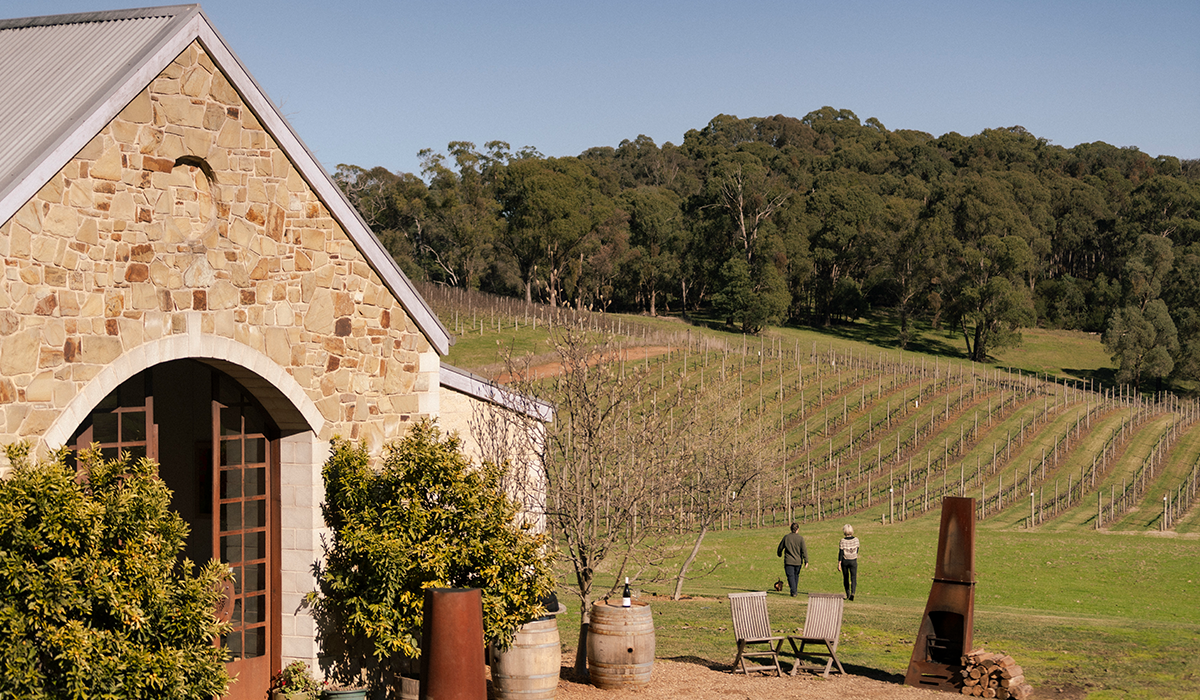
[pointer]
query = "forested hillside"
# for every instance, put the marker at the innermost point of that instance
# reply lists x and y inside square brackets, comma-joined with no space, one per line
[762,221]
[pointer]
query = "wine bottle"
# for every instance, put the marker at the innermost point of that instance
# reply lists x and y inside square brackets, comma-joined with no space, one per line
[626,600]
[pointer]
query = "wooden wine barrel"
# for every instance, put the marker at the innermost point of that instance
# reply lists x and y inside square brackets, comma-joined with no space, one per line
[620,646]
[528,670]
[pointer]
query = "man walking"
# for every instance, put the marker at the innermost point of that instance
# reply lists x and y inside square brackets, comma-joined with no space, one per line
[795,557]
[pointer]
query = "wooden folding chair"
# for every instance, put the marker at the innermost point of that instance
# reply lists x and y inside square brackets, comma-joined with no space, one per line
[822,625]
[752,626]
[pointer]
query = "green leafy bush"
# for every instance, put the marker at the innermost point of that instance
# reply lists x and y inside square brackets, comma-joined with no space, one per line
[295,679]
[94,599]
[426,518]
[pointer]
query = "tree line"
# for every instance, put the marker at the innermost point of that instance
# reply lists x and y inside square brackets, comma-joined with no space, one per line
[819,221]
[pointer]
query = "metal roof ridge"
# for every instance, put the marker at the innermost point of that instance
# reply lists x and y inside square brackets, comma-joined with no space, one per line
[99,16]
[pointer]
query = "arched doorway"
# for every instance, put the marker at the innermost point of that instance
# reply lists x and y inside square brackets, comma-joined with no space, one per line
[218,451]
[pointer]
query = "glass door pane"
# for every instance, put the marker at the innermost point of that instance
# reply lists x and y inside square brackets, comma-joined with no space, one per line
[240,531]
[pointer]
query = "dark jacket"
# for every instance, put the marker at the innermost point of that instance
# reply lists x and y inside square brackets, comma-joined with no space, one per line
[797,552]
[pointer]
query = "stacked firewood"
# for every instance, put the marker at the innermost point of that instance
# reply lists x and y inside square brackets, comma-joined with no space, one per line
[989,675]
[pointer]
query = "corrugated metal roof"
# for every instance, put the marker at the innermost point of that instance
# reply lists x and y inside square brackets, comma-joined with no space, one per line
[64,77]
[55,70]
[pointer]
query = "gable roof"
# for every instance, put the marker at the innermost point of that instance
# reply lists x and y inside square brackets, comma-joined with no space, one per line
[63,78]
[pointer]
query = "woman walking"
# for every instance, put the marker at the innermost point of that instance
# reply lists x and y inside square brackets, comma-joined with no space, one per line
[848,560]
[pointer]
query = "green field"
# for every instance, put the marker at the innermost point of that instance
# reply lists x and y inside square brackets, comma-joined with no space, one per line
[1100,597]
[1112,615]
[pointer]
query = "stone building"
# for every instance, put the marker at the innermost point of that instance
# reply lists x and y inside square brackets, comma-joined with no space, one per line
[182,279]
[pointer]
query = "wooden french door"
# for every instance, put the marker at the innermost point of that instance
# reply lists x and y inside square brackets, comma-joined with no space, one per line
[245,534]
[218,452]
[123,422]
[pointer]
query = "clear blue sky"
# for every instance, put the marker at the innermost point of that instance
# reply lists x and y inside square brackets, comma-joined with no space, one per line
[373,82]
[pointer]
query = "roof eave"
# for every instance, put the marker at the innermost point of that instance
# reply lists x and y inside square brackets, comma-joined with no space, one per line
[483,389]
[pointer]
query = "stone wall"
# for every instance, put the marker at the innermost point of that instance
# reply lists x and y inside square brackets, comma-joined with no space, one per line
[184,211]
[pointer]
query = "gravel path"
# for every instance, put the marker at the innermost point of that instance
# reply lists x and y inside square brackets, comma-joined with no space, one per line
[698,679]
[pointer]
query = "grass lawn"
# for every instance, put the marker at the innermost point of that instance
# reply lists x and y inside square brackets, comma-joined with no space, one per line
[1057,354]
[1116,615]
[1109,615]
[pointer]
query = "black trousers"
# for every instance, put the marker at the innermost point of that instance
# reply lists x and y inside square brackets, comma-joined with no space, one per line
[850,576]
[793,577]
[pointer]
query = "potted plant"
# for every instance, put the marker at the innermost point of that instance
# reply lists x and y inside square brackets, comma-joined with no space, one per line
[424,518]
[294,682]
[333,690]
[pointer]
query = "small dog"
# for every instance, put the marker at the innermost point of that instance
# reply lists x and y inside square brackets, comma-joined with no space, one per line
[779,584]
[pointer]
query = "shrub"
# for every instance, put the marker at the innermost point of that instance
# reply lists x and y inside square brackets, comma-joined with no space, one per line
[426,518]
[94,599]
[295,678]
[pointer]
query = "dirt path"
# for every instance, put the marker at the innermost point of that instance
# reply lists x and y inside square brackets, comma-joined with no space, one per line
[553,369]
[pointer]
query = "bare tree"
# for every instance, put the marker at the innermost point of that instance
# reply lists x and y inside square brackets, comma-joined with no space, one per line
[608,459]
[720,462]
[633,456]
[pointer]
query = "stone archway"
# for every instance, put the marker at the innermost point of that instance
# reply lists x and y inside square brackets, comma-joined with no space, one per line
[269,382]
[243,459]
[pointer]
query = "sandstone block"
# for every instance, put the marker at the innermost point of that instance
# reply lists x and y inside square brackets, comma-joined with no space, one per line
[38,421]
[20,241]
[139,110]
[164,85]
[181,111]
[223,295]
[100,349]
[198,142]
[124,131]
[312,239]
[19,352]
[52,191]
[9,322]
[8,390]
[200,273]
[108,165]
[195,82]
[41,389]
[222,91]
[143,296]
[230,135]
[68,303]
[79,196]
[87,232]
[137,272]
[320,317]
[149,140]
[61,221]
[242,232]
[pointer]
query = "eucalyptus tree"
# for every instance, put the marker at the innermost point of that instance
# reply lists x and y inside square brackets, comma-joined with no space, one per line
[845,238]
[463,204]
[656,237]
[1143,342]
[989,302]
[550,206]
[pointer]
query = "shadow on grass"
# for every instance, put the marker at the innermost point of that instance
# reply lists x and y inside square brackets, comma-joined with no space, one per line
[851,669]
[884,332]
[881,330]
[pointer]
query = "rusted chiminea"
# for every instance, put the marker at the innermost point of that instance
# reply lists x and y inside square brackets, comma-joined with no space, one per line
[945,633]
